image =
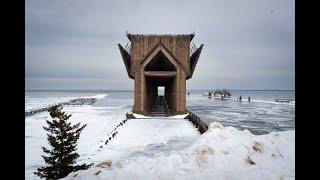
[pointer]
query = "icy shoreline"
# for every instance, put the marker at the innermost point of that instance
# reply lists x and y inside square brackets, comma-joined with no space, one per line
[220,153]
[34,103]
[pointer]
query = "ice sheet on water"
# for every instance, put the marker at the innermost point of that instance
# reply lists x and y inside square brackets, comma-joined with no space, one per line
[99,96]
[259,115]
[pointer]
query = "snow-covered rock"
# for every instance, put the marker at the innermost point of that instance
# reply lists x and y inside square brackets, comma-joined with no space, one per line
[220,153]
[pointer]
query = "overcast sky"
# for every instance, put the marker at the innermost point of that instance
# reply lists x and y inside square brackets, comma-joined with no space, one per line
[72,44]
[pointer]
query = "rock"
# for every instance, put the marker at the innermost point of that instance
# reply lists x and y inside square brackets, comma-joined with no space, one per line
[105,164]
[257,146]
[97,173]
[249,161]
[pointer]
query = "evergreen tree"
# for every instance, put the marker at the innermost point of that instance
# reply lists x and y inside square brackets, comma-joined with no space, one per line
[62,137]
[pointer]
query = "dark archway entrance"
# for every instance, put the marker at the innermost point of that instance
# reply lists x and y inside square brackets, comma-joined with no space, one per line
[160,72]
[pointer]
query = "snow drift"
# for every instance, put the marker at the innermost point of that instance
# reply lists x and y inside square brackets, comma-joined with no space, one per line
[220,153]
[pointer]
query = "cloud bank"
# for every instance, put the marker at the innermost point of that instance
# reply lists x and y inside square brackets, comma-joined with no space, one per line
[72,44]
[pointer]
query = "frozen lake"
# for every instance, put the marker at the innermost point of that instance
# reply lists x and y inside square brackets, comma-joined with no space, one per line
[260,116]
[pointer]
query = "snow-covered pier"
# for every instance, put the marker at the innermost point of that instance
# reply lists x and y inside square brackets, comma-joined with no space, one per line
[36,110]
[81,101]
[72,102]
[148,136]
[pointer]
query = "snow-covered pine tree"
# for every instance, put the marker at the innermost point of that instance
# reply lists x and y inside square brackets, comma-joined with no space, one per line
[62,137]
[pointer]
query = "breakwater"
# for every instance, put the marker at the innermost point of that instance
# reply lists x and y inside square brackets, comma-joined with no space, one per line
[72,102]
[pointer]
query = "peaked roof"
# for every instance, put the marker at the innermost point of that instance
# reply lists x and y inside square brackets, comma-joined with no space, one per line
[161,47]
[130,35]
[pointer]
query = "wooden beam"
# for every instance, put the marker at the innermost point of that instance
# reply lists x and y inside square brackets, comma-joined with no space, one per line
[160,73]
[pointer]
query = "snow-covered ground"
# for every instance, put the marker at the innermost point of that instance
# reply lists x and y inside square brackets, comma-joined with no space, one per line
[220,153]
[136,137]
[100,122]
[145,137]
[171,148]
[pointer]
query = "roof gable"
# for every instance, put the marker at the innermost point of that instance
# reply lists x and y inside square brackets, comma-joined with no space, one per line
[155,51]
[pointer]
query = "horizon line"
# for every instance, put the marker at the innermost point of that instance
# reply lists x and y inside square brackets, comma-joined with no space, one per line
[204,89]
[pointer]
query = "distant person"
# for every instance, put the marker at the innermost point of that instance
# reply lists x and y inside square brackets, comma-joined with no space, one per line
[240,98]
[188,94]
[249,99]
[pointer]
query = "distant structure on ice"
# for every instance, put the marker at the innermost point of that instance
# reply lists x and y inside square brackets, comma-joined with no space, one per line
[222,93]
[160,61]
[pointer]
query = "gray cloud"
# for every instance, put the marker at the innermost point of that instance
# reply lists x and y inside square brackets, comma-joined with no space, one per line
[71,44]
